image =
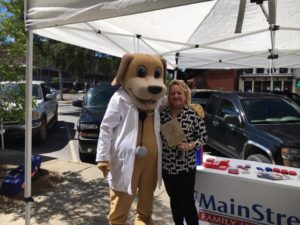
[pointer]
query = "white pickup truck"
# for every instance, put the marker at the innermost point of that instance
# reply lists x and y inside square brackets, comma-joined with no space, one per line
[44,113]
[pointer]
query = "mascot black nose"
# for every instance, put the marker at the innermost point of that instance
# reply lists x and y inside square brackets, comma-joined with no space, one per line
[154,89]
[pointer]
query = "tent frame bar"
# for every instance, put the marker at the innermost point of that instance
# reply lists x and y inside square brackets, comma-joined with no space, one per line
[28,126]
[109,39]
[182,49]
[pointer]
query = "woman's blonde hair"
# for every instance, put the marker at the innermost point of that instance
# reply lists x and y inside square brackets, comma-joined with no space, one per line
[185,88]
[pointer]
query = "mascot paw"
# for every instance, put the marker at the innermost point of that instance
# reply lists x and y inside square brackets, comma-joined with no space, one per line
[199,110]
[104,167]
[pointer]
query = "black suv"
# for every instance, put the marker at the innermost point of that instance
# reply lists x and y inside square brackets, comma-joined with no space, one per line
[200,96]
[93,109]
[254,126]
[293,96]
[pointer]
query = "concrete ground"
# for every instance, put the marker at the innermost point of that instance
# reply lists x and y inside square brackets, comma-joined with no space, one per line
[81,199]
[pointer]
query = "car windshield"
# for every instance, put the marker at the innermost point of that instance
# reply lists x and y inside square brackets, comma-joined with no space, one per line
[98,97]
[13,88]
[270,110]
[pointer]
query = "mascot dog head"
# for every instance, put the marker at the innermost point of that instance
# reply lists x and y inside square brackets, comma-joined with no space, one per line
[142,76]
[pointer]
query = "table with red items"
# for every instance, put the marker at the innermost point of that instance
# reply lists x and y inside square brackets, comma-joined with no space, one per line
[247,197]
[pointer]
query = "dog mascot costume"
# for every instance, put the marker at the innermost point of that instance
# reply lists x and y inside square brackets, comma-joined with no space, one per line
[129,141]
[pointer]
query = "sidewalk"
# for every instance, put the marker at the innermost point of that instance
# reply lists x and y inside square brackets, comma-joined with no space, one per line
[82,199]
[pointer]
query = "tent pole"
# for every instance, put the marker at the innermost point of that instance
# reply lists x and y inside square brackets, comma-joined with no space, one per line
[115,43]
[2,133]
[175,73]
[28,126]
[149,46]
[138,37]
[273,27]
[271,74]
[176,65]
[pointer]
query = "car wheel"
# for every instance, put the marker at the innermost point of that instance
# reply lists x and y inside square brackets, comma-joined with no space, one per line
[259,158]
[42,135]
[55,118]
[84,157]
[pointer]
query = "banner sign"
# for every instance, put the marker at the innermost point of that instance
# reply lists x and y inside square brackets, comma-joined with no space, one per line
[245,199]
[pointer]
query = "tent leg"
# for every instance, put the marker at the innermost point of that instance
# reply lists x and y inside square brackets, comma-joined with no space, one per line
[2,133]
[28,125]
[176,65]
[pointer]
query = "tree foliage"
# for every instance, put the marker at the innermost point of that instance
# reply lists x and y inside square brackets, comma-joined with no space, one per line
[12,40]
[12,29]
[73,60]
[11,72]
[12,103]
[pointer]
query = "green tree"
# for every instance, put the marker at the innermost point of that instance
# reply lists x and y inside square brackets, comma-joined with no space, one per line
[11,72]
[12,29]
[13,47]
[75,60]
[106,65]
[12,40]
[12,103]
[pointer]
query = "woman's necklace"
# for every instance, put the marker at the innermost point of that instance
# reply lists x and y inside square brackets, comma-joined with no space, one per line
[175,112]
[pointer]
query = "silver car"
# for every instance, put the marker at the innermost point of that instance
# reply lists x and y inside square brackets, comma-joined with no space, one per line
[44,112]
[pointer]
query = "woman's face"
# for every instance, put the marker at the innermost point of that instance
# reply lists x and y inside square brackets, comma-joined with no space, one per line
[177,96]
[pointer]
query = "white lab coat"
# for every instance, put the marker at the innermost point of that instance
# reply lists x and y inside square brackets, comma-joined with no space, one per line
[118,139]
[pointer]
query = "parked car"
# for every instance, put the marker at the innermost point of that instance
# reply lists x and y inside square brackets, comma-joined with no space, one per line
[200,96]
[93,109]
[78,102]
[260,127]
[81,91]
[44,113]
[293,96]
[54,91]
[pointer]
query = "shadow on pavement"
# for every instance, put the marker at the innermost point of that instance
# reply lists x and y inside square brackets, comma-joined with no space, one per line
[78,201]
[73,202]
[57,139]
[75,114]
[15,158]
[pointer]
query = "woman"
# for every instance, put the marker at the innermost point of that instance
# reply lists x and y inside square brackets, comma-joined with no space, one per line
[179,162]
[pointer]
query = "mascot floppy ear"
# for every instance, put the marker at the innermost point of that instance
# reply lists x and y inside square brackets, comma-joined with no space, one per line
[126,59]
[199,110]
[164,62]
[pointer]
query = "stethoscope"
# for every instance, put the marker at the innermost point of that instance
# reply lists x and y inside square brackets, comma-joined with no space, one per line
[141,150]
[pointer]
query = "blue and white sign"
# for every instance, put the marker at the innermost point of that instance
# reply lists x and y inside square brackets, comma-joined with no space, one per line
[245,199]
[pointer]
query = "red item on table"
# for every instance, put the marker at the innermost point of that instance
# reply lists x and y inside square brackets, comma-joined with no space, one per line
[284,171]
[292,173]
[233,170]
[276,170]
[214,164]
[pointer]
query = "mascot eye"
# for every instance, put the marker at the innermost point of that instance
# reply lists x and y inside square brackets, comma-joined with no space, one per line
[141,71]
[157,72]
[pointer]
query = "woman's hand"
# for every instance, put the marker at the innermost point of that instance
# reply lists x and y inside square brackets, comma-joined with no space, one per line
[186,146]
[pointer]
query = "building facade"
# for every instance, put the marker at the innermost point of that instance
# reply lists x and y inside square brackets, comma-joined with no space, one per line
[217,79]
[261,79]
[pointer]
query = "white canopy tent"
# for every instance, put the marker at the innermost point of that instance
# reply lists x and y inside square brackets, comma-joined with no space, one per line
[188,33]
[181,30]
[53,13]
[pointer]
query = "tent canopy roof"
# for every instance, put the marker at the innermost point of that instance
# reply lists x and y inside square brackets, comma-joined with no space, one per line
[200,34]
